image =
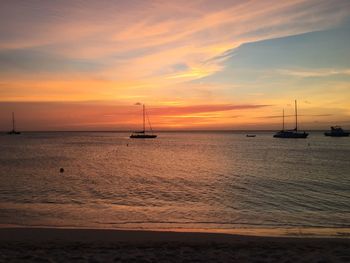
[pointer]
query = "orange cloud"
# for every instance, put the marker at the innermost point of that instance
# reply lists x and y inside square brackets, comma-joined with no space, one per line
[112,115]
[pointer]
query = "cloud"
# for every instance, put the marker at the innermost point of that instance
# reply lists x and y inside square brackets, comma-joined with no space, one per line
[110,115]
[183,110]
[180,67]
[306,73]
[157,34]
[300,115]
[32,60]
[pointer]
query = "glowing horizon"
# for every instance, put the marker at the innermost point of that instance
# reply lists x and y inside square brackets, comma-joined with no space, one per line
[82,65]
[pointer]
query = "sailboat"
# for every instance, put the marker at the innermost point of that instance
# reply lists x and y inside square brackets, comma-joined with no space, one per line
[142,134]
[291,133]
[13,126]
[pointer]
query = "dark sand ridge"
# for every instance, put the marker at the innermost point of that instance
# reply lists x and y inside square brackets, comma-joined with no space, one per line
[91,245]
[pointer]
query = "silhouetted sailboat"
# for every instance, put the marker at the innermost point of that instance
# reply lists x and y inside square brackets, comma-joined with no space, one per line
[13,126]
[142,134]
[293,134]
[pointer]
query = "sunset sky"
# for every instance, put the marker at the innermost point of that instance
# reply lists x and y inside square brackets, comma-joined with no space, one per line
[201,64]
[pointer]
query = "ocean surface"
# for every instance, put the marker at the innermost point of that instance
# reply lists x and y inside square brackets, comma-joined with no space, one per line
[202,181]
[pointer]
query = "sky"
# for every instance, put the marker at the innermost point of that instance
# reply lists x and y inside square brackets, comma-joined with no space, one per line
[200,64]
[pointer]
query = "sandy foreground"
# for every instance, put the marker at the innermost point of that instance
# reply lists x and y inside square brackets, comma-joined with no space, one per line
[91,245]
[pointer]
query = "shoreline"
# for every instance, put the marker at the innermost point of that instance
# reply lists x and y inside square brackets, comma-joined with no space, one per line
[307,232]
[105,245]
[37,234]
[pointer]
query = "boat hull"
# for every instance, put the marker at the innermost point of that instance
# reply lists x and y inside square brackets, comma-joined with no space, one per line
[291,135]
[344,134]
[143,136]
[13,132]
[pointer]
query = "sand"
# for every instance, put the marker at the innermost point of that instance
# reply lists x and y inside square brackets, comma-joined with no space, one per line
[91,245]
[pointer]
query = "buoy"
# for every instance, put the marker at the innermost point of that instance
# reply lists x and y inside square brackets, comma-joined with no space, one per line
[61,170]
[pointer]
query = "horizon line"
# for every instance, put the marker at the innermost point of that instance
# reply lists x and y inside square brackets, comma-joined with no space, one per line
[182,130]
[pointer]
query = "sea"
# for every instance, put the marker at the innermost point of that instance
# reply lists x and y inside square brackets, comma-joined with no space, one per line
[210,181]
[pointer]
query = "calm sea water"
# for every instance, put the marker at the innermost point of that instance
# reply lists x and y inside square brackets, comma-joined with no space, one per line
[208,180]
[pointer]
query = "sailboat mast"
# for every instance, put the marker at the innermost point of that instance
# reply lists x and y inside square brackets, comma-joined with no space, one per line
[144,118]
[13,121]
[296,116]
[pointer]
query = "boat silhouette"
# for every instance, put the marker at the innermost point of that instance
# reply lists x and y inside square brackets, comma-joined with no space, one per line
[13,131]
[337,131]
[250,135]
[292,134]
[142,134]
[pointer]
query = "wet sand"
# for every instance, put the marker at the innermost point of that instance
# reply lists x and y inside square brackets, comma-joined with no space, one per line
[91,245]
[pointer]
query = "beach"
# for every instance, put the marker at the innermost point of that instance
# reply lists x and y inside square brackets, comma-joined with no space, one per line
[92,245]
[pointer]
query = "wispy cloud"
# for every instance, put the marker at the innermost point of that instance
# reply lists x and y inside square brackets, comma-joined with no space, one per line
[178,110]
[112,114]
[305,73]
[153,35]
[300,115]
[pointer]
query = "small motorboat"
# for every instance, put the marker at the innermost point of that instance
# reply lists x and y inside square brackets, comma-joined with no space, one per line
[337,131]
[250,135]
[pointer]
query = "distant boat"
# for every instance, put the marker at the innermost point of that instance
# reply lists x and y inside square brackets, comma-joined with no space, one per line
[13,126]
[142,134]
[250,135]
[337,131]
[293,134]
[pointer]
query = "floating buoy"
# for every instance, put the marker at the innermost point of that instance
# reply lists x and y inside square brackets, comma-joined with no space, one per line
[61,170]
